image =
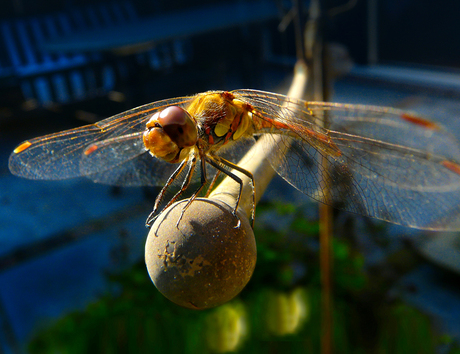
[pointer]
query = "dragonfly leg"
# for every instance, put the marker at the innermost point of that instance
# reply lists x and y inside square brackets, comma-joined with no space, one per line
[213,182]
[171,179]
[217,163]
[250,176]
[204,180]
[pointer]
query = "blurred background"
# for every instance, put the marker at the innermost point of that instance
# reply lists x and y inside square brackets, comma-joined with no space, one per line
[72,275]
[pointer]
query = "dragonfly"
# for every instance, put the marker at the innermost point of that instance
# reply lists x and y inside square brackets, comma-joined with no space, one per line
[380,162]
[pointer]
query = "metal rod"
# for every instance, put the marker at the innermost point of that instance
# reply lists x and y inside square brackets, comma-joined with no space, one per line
[317,60]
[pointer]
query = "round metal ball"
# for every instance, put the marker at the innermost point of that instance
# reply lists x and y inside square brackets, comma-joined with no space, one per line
[205,260]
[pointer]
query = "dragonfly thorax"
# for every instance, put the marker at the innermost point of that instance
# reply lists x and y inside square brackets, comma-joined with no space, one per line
[221,118]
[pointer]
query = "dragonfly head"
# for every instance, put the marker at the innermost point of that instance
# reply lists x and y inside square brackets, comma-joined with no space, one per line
[170,131]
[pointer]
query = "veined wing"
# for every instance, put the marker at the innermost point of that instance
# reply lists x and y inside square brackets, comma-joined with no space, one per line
[142,169]
[62,155]
[124,161]
[375,161]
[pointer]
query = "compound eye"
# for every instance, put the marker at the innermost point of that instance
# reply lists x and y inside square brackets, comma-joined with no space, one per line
[179,125]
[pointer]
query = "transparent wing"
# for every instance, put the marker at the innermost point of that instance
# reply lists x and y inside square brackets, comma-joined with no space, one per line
[124,161]
[375,161]
[118,139]
[142,169]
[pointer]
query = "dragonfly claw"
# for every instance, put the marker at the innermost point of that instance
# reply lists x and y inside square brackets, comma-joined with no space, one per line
[152,217]
[251,221]
[238,224]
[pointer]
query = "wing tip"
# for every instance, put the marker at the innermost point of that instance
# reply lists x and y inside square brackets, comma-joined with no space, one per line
[422,122]
[20,148]
[452,166]
[90,149]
